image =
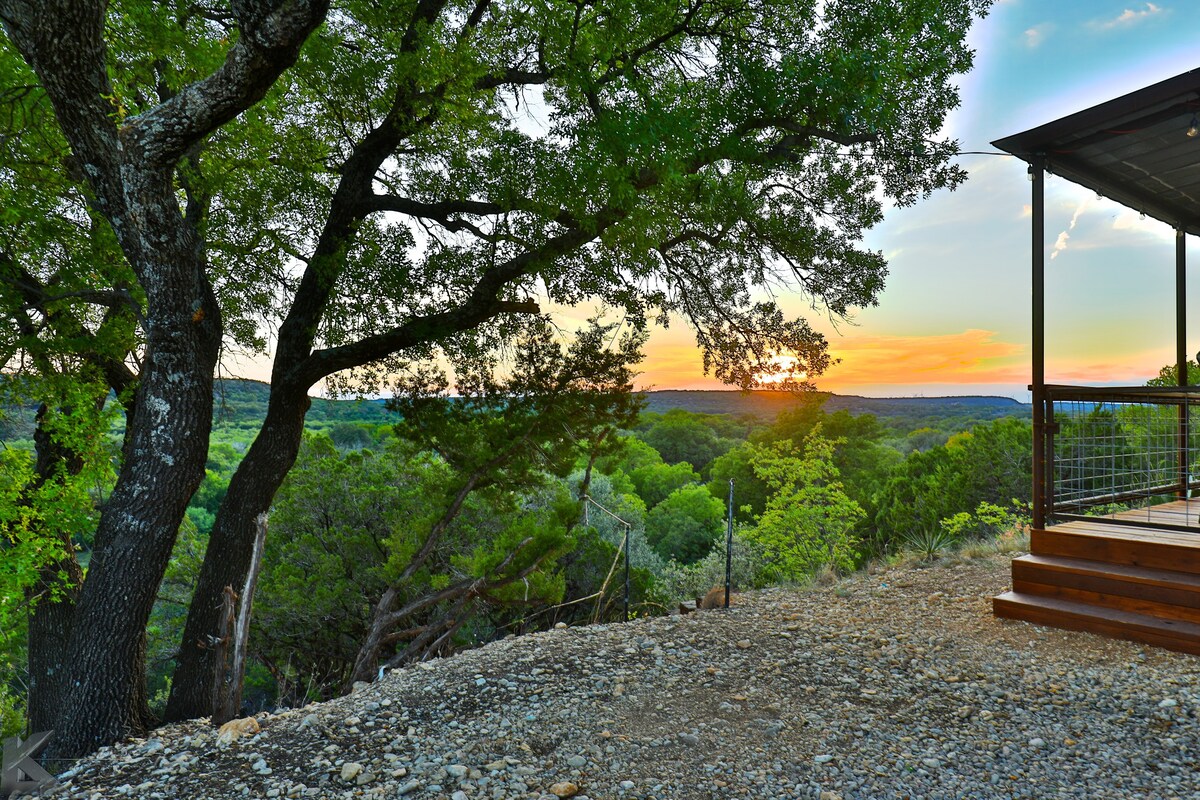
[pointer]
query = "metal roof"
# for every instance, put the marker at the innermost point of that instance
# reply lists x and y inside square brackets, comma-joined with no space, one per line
[1134,149]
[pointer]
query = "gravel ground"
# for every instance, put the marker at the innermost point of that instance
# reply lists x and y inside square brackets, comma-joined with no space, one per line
[896,684]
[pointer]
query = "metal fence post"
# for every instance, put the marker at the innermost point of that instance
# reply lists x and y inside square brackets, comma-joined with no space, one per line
[729,546]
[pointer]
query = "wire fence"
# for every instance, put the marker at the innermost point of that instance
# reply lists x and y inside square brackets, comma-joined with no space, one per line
[1121,449]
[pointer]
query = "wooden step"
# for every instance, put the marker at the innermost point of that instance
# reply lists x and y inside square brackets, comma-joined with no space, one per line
[1157,593]
[1057,613]
[1117,544]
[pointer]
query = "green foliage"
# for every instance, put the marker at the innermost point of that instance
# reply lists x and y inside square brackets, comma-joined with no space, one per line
[988,521]
[655,482]
[584,571]
[12,715]
[809,522]
[339,525]
[752,567]
[922,440]
[629,453]
[351,436]
[1169,375]
[683,526]
[683,437]
[930,543]
[617,494]
[750,492]
[990,464]
[461,519]
[44,518]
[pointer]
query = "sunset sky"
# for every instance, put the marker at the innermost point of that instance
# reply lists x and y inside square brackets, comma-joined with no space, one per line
[955,316]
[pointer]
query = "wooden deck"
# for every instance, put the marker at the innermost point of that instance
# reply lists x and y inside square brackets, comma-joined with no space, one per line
[1140,583]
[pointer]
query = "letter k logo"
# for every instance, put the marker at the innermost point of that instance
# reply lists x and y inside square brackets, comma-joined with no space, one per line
[21,772]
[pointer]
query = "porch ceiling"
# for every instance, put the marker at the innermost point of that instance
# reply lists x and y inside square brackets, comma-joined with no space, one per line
[1134,149]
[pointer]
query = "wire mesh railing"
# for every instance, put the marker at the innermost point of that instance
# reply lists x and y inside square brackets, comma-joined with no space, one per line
[1114,449]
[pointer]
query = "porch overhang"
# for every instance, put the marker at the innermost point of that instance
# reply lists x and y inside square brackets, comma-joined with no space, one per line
[1134,149]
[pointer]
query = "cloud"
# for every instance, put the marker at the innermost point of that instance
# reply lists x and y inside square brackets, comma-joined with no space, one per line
[1060,243]
[1128,17]
[970,357]
[1129,220]
[1037,34]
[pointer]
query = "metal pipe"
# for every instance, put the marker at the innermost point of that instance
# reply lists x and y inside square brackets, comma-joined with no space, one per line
[1181,359]
[627,572]
[729,546]
[1037,174]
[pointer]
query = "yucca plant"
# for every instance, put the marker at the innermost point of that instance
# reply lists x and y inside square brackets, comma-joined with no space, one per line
[929,542]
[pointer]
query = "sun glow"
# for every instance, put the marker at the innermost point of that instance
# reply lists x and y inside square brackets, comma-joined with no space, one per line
[784,369]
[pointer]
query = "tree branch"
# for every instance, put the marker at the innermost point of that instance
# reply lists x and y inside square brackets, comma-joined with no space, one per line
[272,34]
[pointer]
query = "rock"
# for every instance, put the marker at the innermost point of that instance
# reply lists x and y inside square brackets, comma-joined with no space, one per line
[236,729]
[1037,742]
[745,644]
[577,761]
[560,626]
[564,789]
[364,778]
[459,795]
[824,758]
[456,770]
[408,787]
[827,795]
[627,785]
[350,770]
[1170,702]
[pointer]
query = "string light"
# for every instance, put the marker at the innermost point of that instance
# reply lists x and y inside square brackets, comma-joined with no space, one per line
[1193,127]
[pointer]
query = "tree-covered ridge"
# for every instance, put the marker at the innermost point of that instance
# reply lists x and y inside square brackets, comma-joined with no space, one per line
[766,405]
[814,490]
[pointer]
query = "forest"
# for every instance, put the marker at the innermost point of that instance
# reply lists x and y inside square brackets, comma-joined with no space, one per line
[816,492]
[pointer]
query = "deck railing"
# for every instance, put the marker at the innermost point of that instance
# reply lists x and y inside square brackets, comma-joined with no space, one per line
[1109,449]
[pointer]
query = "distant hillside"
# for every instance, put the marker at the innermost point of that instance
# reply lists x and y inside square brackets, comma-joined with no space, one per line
[241,405]
[237,401]
[767,405]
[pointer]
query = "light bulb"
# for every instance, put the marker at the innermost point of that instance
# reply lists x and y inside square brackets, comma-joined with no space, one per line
[1193,128]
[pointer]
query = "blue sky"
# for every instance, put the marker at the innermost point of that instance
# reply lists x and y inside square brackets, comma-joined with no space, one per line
[955,316]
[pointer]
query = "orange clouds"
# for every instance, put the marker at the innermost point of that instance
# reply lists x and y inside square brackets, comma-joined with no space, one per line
[973,356]
[889,363]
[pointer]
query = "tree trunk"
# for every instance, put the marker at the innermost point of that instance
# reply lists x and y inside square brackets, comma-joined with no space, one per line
[219,646]
[50,621]
[231,545]
[167,446]
[50,625]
